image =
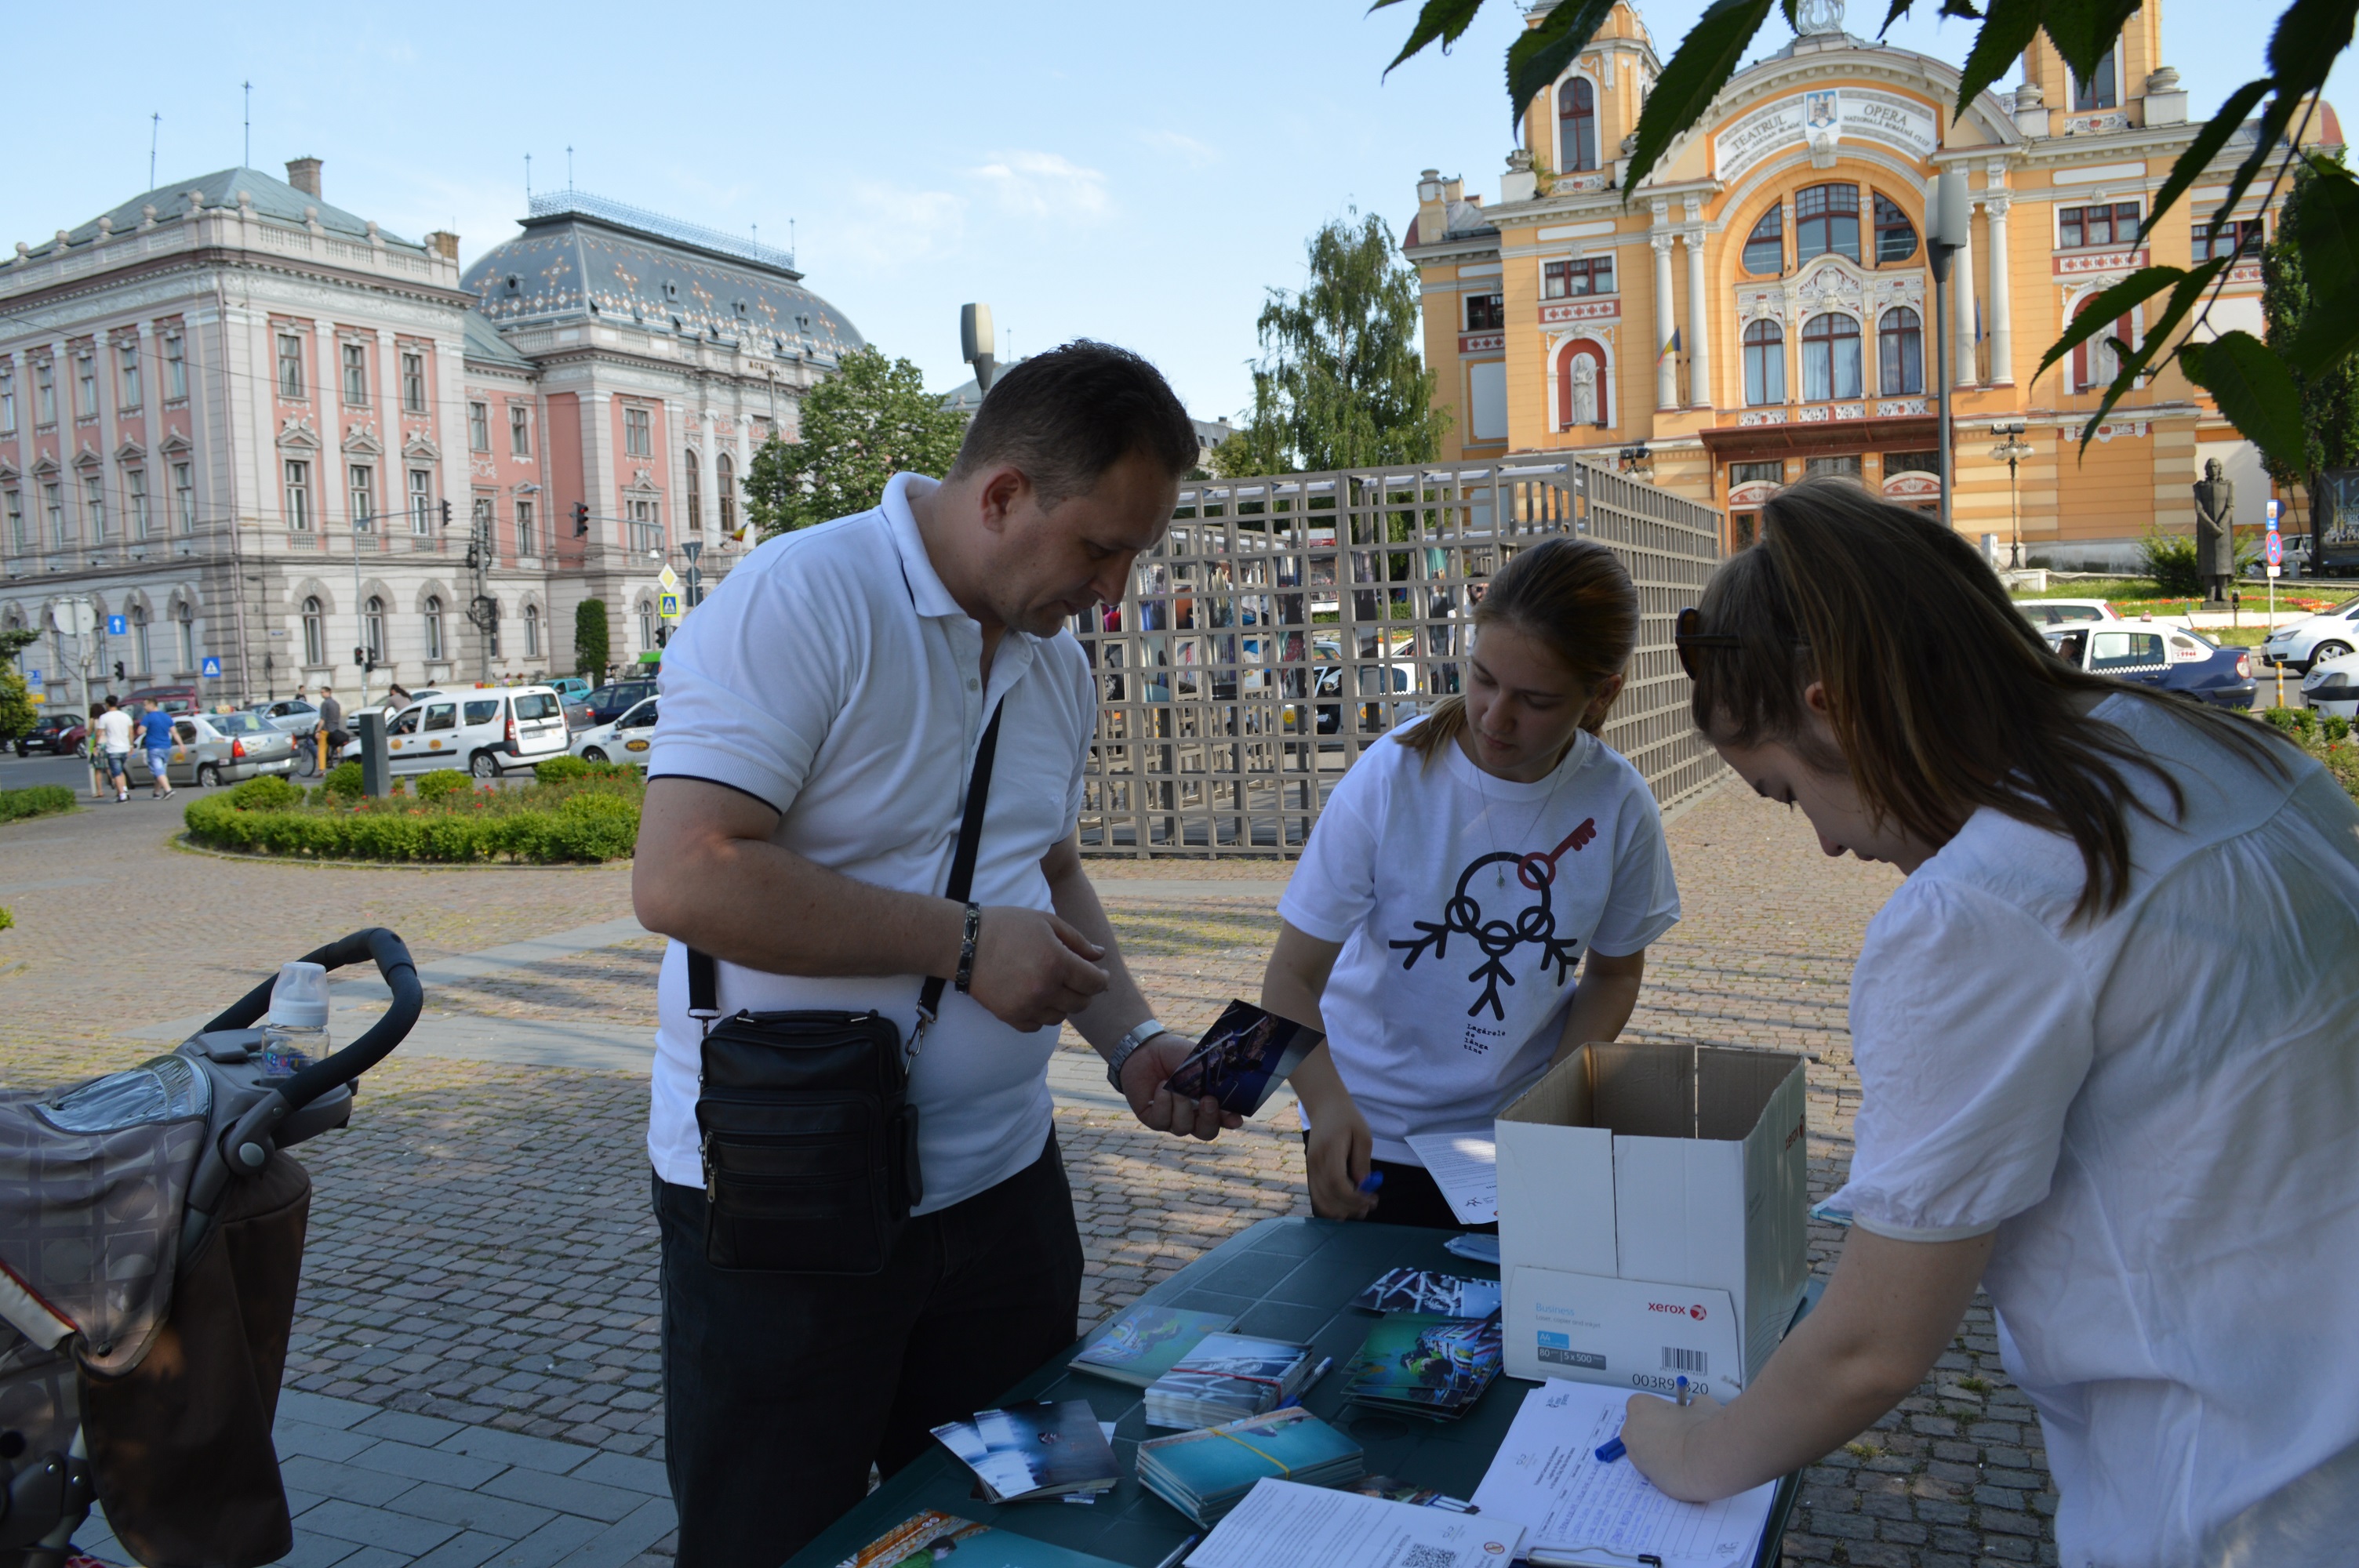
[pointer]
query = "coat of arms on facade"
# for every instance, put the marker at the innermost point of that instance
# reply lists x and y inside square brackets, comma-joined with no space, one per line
[1819,110]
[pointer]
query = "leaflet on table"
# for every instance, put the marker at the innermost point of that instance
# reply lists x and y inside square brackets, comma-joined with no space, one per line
[1429,1290]
[1577,1510]
[1243,1057]
[1465,1165]
[1283,1525]
[1630,1333]
[1145,1341]
[1033,1450]
[934,1539]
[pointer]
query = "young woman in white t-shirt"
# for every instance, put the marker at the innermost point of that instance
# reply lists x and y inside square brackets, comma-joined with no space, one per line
[2103,1032]
[1461,871]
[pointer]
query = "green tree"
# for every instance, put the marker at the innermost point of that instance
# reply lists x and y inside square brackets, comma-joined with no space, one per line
[590,638]
[16,710]
[1341,384]
[2329,397]
[2251,382]
[870,420]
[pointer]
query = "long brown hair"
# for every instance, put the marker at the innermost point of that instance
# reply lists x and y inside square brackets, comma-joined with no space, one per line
[1942,697]
[1574,599]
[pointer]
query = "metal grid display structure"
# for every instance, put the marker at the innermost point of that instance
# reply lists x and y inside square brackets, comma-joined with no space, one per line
[1285,623]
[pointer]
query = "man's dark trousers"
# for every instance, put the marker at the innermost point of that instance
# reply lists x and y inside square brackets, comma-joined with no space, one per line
[780,1389]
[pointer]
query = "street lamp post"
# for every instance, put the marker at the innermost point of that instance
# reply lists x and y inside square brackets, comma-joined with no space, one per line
[2012,449]
[1950,217]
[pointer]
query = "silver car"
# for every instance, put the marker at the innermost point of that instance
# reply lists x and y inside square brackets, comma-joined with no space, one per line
[220,747]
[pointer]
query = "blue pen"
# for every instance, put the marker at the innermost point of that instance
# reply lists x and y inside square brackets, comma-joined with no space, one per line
[1609,1452]
[1372,1180]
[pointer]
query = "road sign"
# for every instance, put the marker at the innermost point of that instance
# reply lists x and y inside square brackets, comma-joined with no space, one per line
[668,607]
[2273,515]
[669,578]
[2275,549]
[691,548]
[33,679]
[2274,569]
[211,668]
[117,626]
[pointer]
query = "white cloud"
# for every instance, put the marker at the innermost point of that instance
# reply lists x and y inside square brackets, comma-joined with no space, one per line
[1198,155]
[1045,185]
[888,225]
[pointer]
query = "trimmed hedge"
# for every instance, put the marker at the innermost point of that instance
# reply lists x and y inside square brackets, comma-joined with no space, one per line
[567,768]
[443,782]
[39,800]
[597,824]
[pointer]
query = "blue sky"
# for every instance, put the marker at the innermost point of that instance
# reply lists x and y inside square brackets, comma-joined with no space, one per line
[1135,172]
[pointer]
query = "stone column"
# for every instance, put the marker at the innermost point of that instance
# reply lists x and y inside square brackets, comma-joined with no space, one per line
[1667,368]
[2002,326]
[1698,327]
[1961,283]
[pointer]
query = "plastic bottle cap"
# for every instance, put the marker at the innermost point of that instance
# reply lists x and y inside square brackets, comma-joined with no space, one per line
[299,1000]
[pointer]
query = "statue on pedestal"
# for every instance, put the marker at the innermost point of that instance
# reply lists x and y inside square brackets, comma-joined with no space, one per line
[1584,392]
[2215,539]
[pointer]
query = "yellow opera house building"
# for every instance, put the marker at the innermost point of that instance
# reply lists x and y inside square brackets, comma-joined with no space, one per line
[1760,309]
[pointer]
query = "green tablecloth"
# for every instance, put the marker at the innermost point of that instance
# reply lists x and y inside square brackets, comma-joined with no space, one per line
[1288,1279]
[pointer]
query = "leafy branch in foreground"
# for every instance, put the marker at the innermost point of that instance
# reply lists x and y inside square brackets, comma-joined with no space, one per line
[2254,384]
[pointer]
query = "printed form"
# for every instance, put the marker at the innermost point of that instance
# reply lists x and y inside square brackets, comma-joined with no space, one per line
[1283,1525]
[1577,1511]
[1465,1166]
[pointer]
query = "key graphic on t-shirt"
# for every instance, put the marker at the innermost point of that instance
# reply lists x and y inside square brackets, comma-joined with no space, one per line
[1535,924]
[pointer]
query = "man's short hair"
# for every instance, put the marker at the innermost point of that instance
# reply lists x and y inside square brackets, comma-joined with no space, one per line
[1066,416]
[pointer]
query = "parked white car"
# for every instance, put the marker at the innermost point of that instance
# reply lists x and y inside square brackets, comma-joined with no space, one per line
[487,730]
[2066,612]
[624,740]
[2331,687]
[2319,639]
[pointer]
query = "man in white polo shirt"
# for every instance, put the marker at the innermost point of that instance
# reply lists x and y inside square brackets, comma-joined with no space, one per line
[821,714]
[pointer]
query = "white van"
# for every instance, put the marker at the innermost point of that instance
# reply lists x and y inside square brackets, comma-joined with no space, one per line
[487,731]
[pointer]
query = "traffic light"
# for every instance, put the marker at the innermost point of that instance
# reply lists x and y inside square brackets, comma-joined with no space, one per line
[475,557]
[663,636]
[446,514]
[580,519]
[118,669]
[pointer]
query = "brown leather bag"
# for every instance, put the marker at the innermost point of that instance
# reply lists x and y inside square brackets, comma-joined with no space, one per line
[179,1444]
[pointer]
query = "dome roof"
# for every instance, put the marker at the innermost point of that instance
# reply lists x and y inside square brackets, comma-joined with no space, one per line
[582,256]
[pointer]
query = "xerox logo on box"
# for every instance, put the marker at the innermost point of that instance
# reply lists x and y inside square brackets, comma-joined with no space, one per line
[1694,1312]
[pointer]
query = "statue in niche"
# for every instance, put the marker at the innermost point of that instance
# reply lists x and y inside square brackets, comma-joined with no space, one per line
[1583,410]
[2215,516]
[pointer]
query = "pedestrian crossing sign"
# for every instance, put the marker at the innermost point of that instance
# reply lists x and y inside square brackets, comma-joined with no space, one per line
[669,607]
[211,668]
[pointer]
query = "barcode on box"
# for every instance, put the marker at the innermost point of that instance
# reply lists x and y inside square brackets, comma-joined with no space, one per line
[1430,1557]
[1691,1361]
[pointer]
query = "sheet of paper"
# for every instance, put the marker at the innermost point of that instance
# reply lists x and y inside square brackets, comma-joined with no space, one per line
[1577,1510]
[1283,1525]
[1466,1168]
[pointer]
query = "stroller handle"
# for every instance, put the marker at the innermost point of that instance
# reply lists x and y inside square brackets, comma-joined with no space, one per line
[393,962]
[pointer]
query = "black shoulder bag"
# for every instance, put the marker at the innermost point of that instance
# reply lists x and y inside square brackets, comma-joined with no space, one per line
[808,1138]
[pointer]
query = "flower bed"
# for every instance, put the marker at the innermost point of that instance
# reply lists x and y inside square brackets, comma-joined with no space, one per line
[40,800]
[2329,739]
[586,819]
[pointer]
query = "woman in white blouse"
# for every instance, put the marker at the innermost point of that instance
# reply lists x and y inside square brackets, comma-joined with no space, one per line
[2104,1033]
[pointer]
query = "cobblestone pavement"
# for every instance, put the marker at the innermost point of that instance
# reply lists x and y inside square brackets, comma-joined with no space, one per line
[480,1250]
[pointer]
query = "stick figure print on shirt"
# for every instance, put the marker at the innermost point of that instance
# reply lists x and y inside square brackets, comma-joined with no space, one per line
[1534,923]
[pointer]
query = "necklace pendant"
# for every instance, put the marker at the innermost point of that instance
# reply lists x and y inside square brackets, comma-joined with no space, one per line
[1499,878]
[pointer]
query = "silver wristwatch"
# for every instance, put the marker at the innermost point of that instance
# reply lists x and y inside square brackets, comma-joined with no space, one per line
[1124,1046]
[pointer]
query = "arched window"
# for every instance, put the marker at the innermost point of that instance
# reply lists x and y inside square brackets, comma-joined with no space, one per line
[2094,362]
[139,638]
[315,633]
[1577,130]
[1899,352]
[532,631]
[1826,221]
[1765,364]
[2100,90]
[725,473]
[692,505]
[1830,358]
[433,627]
[372,629]
[1764,248]
[185,618]
[647,623]
[1896,237]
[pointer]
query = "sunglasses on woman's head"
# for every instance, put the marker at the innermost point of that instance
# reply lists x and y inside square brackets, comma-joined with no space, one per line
[1688,635]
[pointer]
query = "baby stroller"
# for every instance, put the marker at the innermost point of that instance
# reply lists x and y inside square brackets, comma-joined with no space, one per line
[151,1237]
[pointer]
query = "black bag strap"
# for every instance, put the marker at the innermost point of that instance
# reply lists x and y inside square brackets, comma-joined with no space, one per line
[704,976]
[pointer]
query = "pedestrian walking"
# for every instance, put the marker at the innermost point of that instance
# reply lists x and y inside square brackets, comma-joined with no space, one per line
[156,739]
[863,795]
[113,731]
[330,737]
[2104,1037]
[1501,811]
[93,754]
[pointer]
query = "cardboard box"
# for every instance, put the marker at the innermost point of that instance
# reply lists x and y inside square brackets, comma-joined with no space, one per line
[1630,1333]
[1669,1164]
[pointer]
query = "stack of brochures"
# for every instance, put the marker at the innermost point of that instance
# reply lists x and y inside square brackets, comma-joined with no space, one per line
[1422,1364]
[1146,1342]
[931,1539]
[1425,1290]
[1042,1450]
[1205,1474]
[1228,1377]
